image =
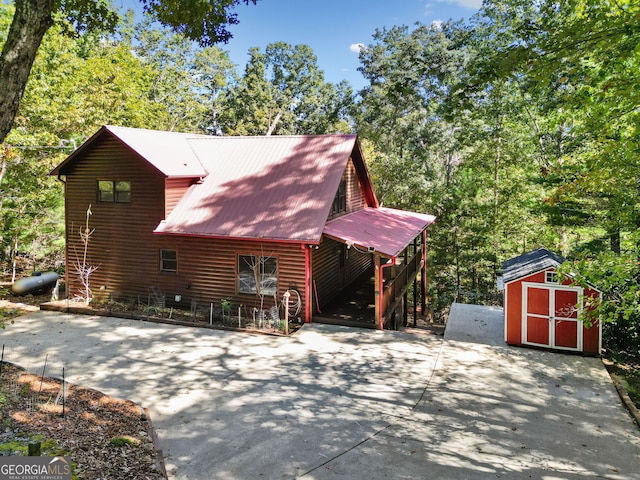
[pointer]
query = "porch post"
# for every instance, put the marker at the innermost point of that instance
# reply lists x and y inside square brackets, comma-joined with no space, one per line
[423,273]
[377,294]
[415,301]
[405,308]
[415,287]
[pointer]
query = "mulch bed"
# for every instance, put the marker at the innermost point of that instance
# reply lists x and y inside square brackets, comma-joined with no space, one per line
[106,438]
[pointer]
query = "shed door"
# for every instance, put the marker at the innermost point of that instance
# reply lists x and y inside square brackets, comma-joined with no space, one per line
[550,317]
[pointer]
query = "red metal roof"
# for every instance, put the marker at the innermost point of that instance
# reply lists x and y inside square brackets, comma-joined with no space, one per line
[277,187]
[384,230]
[169,152]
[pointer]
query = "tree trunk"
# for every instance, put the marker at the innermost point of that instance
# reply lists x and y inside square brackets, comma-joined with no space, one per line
[564,241]
[3,166]
[30,22]
[614,241]
[274,124]
[496,200]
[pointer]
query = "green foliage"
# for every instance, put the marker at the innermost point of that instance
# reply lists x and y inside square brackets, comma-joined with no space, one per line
[458,152]
[284,92]
[201,20]
[184,83]
[618,277]
[7,314]
[49,447]
[13,446]
[576,62]
[120,442]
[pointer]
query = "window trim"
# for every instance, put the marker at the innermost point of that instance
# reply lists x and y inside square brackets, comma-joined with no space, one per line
[258,284]
[163,260]
[339,204]
[552,277]
[113,192]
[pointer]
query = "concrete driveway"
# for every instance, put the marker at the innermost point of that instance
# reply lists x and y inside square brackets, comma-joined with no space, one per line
[334,402]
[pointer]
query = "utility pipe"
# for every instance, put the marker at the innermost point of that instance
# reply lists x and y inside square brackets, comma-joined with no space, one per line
[307,283]
[286,311]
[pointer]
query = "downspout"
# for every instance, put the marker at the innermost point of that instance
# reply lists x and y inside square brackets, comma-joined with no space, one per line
[63,180]
[307,282]
[381,290]
[599,325]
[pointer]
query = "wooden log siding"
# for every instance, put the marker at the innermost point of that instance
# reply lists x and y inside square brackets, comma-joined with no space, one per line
[175,188]
[327,274]
[355,196]
[208,270]
[122,245]
[127,252]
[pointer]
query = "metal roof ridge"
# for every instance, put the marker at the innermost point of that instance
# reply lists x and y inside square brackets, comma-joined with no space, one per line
[262,137]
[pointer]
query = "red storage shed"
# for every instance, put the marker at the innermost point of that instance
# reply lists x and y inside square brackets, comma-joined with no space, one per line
[542,309]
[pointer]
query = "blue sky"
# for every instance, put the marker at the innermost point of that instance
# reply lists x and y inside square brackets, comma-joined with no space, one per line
[332,28]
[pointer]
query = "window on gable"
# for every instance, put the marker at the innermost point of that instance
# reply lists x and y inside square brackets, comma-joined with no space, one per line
[257,275]
[112,191]
[551,277]
[168,260]
[340,200]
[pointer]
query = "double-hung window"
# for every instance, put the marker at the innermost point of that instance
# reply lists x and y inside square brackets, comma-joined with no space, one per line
[257,275]
[114,191]
[168,260]
[340,200]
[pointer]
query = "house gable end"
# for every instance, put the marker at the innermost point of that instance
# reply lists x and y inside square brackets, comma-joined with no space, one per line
[355,190]
[167,152]
[363,176]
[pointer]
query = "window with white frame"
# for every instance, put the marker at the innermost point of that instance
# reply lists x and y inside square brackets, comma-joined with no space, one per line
[551,277]
[257,274]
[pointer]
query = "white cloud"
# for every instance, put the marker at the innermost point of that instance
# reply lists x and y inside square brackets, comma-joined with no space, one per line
[437,24]
[472,4]
[357,47]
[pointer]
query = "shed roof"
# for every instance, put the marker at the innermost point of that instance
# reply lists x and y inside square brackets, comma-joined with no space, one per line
[278,188]
[384,230]
[530,263]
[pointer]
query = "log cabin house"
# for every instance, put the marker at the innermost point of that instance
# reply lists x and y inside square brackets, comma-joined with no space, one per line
[244,219]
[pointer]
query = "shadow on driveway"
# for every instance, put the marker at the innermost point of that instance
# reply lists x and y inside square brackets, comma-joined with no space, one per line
[335,402]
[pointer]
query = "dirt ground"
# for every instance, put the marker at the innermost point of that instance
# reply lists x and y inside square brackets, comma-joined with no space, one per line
[104,436]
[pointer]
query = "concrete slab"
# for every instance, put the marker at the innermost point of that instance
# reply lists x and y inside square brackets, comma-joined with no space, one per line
[232,405]
[340,402]
[475,324]
[494,411]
